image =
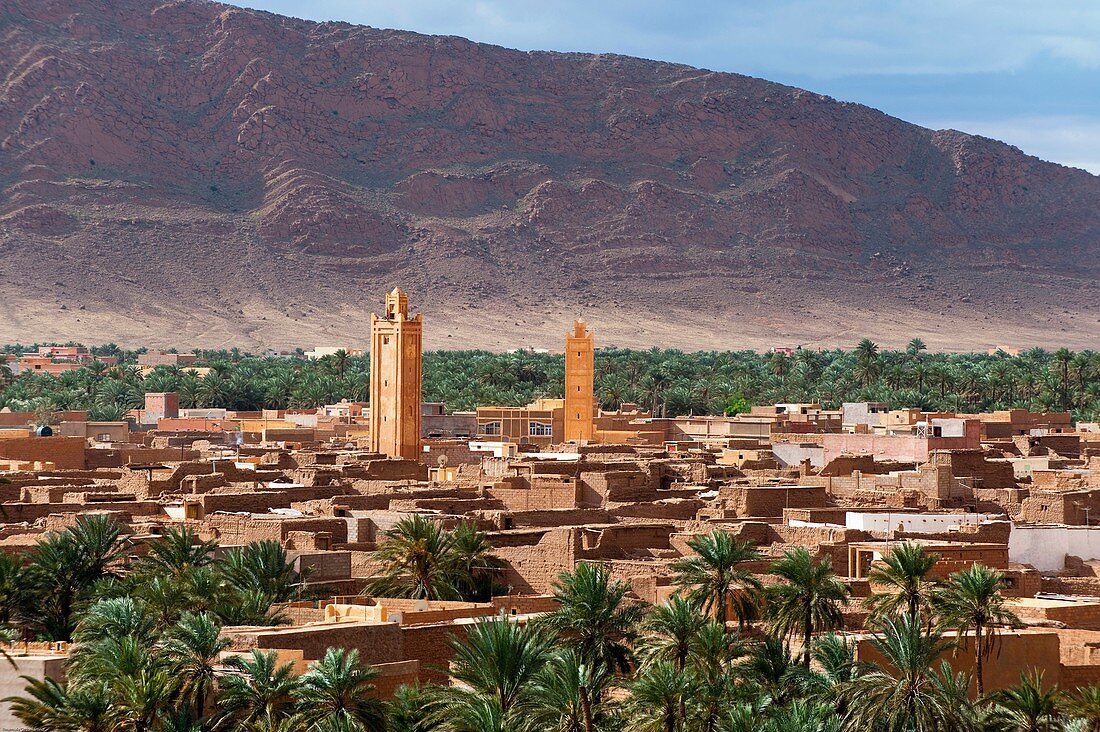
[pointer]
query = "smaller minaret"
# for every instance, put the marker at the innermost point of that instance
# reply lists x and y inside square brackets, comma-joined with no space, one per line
[580,374]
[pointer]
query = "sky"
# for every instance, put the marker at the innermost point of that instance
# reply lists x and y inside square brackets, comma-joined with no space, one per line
[1023,71]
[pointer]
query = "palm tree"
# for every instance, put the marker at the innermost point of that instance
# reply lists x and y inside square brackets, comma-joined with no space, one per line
[1028,707]
[177,551]
[410,710]
[258,695]
[475,566]
[836,666]
[715,578]
[1064,356]
[655,698]
[565,694]
[192,647]
[808,599]
[500,659]
[594,617]
[51,707]
[915,346]
[902,577]
[419,562]
[671,631]
[141,698]
[1084,704]
[776,670]
[13,588]
[262,566]
[972,599]
[335,694]
[62,567]
[477,713]
[903,693]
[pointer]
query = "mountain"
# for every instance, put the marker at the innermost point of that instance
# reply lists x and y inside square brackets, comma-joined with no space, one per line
[194,174]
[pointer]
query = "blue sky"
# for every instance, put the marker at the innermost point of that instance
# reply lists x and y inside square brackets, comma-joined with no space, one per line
[1026,72]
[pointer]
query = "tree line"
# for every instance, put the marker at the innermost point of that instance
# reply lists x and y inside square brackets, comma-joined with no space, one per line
[726,653]
[667,382]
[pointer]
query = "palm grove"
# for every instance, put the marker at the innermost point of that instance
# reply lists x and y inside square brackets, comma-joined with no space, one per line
[668,382]
[727,653]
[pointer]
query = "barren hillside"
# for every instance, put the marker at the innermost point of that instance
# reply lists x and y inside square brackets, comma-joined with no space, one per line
[188,173]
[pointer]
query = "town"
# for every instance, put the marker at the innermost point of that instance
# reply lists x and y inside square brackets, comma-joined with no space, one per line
[396,539]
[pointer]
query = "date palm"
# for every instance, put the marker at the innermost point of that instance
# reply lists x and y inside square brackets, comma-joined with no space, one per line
[257,695]
[48,706]
[902,580]
[410,710]
[140,699]
[176,552]
[972,600]
[808,599]
[776,670]
[1084,704]
[565,694]
[1029,707]
[64,566]
[475,566]
[262,566]
[336,693]
[419,562]
[594,617]
[192,648]
[903,693]
[655,698]
[715,578]
[670,631]
[500,659]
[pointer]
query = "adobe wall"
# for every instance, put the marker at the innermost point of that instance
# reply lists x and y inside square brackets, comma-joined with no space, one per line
[1046,507]
[1016,652]
[987,474]
[623,540]
[430,645]
[31,512]
[771,500]
[560,517]
[376,642]
[67,453]
[533,569]
[540,497]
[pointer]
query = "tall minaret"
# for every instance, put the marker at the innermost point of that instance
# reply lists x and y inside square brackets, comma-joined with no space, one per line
[395,347]
[580,374]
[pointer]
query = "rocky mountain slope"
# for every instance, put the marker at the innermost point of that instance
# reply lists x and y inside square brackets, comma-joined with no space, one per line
[189,173]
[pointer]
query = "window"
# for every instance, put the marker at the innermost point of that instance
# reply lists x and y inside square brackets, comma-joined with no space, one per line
[490,428]
[540,429]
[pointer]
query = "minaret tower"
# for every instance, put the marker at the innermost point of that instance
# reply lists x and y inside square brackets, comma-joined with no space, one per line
[580,373]
[395,347]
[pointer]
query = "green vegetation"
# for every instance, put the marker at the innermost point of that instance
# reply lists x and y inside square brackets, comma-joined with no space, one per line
[424,561]
[669,382]
[144,661]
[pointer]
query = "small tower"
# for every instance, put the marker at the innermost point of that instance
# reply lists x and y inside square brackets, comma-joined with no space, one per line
[395,348]
[580,371]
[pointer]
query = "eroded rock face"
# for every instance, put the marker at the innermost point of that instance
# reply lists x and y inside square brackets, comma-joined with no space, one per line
[171,141]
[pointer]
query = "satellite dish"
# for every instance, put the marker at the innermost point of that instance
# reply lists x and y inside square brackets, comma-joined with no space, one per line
[441,461]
